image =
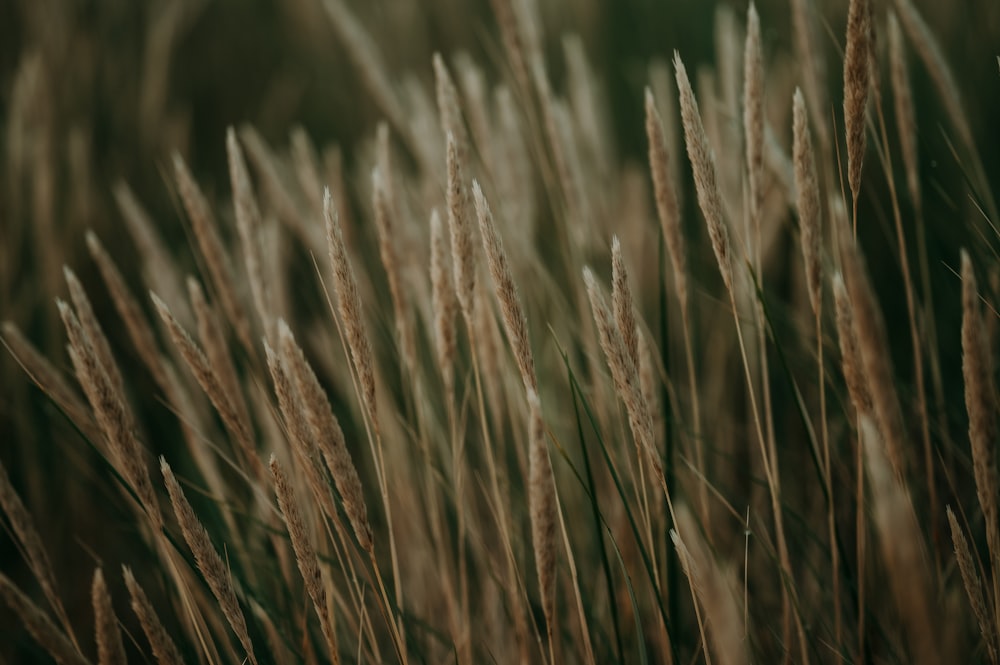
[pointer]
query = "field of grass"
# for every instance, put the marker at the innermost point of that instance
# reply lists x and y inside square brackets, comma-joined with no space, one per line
[556,331]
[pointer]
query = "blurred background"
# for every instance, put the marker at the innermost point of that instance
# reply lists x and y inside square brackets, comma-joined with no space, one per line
[94,92]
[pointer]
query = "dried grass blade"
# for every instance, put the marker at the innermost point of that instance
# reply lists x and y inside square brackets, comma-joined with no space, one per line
[515,323]
[110,649]
[209,562]
[164,649]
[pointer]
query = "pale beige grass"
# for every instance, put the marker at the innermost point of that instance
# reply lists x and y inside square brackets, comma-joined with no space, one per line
[327,436]
[981,403]
[350,310]
[164,649]
[248,226]
[873,347]
[909,574]
[110,649]
[542,512]
[112,414]
[305,555]
[239,428]
[973,586]
[137,326]
[211,565]
[213,250]
[515,322]
[857,76]
[712,589]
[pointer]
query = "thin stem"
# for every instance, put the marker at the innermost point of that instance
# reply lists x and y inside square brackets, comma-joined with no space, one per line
[828,477]
[775,493]
[918,360]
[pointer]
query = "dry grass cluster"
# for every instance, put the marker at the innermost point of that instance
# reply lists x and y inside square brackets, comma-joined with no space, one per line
[481,385]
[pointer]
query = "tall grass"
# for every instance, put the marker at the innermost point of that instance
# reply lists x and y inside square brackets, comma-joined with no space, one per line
[487,383]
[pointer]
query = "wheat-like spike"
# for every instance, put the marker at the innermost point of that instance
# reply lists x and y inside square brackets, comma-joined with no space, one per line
[306,162]
[216,350]
[281,204]
[328,436]
[211,383]
[514,169]
[489,343]
[623,374]
[361,49]
[515,323]
[95,334]
[349,306]
[902,547]
[303,446]
[385,226]
[511,32]
[778,162]
[110,650]
[136,324]
[459,225]
[209,562]
[158,265]
[449,108]
[214,344]
[443,303]
[333,173]
[383,163]
[850,354]
[663,87]
[191,416]
[112,416]
[248,224]
[928,49]
[305,555]
[972,584]
[807,199]
[276,273]
[46,633]
[272,184]
[712,589]
[542,511]
[649,384]
[980,401]
[164,649]
[621,304]
[472,83]
[23,526]
[586,104]
[561,134]
[753,113]
[869,328]
[705,178]
[213,250]
[728,36]
[50,381]
[811,62]
[906,121]
[164,26]
[857,80]
[666,198]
